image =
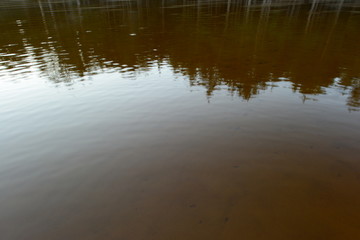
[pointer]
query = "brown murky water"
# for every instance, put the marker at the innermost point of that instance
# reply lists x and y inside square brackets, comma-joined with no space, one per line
[182,119]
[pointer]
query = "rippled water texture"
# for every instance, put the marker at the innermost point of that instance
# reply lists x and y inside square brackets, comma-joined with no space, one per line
[165,120]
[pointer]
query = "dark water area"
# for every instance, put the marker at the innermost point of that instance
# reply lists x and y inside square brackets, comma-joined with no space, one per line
[179,120]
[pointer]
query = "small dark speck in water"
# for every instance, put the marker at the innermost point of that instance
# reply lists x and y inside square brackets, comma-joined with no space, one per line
[192,205]
[226,219]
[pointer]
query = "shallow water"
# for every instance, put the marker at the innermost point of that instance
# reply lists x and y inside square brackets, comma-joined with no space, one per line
[179,120]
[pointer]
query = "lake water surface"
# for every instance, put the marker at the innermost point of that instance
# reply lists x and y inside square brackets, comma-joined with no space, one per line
[166,120]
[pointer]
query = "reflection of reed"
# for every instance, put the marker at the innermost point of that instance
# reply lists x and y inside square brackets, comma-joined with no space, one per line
[242,48]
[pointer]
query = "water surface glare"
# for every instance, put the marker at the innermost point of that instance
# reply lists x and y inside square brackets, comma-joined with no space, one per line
[179,120]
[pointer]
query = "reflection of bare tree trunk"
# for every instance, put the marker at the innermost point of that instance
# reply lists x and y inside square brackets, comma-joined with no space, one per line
[50,6]
[198,12]
[248,4]
[227,14]
[163,14]
[147,6]
[292,8]
[41,9]
[139,10]
[53,18]
[311,12]
[332,28]
[338,10]
[43,18]
[228,6]
[260,32]
[80,14]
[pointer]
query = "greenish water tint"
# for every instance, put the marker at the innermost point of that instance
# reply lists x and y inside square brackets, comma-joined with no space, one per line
[179,120]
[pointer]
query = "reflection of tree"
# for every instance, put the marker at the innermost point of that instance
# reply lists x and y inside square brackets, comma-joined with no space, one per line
[354,98]
[351,87]
[217,44]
